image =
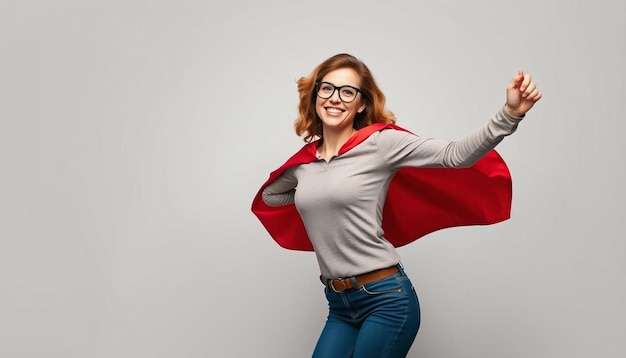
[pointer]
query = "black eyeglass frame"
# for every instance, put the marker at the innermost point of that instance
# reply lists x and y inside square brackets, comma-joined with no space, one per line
[335,88]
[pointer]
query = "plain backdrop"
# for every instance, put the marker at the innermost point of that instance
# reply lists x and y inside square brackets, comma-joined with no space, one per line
[134,135]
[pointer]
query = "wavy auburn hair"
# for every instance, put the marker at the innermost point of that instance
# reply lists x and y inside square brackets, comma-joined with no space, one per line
[308,122]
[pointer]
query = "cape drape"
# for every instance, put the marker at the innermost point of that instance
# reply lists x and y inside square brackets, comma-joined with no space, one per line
[419,200]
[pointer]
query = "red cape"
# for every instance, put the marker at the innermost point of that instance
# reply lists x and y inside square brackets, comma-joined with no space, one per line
[419,200]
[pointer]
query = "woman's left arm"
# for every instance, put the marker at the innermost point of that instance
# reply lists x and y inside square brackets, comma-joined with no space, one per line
[402,149]
[521,95]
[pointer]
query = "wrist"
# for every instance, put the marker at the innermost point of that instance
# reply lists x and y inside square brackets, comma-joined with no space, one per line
[512,112]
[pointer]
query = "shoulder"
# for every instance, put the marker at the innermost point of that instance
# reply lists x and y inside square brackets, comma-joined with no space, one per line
[377,129]
[394,139]
[392,132]
[306,154]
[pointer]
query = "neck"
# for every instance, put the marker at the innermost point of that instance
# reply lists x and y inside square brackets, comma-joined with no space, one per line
[334,140]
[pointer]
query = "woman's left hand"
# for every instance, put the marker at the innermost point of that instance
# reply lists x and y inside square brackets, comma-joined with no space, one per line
[521,94]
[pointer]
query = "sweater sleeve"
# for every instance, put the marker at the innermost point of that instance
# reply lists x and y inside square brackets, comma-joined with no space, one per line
[402,149]
[281,191]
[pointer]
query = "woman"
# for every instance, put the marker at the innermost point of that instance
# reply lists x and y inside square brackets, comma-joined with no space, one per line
[363,190]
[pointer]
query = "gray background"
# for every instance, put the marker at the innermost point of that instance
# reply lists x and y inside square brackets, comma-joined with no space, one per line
[134,135]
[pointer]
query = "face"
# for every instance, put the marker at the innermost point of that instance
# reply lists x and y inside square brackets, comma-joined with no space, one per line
[335,113]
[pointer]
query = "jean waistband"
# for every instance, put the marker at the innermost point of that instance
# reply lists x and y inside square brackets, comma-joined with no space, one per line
[342,284]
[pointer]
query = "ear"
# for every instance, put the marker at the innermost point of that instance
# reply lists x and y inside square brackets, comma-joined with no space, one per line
[361,109]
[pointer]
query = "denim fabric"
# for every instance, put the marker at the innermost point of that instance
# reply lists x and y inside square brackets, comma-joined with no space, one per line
[380,319]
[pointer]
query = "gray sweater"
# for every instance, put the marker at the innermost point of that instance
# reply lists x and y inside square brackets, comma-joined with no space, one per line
[341,201]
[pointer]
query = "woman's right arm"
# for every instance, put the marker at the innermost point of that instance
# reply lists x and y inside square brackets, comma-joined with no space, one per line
[281,191]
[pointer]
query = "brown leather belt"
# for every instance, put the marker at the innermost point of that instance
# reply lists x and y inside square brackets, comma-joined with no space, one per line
[342,284]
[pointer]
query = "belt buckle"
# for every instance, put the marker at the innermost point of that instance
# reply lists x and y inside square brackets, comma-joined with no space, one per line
[332,286]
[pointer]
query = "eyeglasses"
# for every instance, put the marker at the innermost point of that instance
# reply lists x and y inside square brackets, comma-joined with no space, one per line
[326,90]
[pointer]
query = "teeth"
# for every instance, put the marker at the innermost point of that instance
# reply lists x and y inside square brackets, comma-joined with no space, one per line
[334,110]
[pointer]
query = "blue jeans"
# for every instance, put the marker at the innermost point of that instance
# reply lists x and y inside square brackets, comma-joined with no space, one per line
[379,319]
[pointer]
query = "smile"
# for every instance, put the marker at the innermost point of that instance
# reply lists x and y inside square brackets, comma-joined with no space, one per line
[333,110]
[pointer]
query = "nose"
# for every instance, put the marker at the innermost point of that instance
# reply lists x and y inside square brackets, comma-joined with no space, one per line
[335,96]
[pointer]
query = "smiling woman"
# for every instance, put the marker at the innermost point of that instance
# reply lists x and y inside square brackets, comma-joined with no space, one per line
[361,190]
[337,112]
[369,94]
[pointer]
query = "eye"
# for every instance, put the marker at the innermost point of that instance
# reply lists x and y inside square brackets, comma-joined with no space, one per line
[349,92]
[326,88]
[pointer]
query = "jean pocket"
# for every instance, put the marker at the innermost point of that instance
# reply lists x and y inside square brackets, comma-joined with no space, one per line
[389,285]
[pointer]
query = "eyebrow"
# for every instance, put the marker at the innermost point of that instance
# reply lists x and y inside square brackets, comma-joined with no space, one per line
[353,86]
